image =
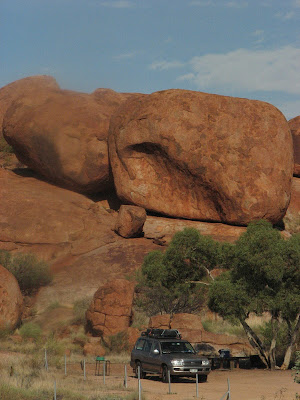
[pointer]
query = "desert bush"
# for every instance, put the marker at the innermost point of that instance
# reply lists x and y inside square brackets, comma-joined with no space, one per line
[30,330]
[79,309]
[296,368]
[4,146]
[30,272]
[117,343]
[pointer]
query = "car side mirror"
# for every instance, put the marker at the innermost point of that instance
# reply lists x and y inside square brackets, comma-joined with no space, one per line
[156,351]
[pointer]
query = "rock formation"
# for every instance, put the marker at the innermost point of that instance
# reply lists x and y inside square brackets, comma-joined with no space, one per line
[295,129]
[292,216]
[11,300]
[111,309]
[201,156]
[130,221]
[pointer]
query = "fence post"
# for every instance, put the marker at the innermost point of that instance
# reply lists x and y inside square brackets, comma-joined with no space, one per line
[104,371]
[125,376]
[169,379]
[65,365]
[139,383]
[46,361]
[54,389]
[84,372]
[228,396]
[197,391]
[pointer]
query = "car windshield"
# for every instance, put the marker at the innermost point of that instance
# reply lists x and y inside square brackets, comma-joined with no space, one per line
[176,347]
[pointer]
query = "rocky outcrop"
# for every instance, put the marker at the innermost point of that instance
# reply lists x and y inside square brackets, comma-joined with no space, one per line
[292,216]
[201,156]
[130,221]
[62,135]
[23,87]
[161,230]
[295,129]
[111,309]
[11,300]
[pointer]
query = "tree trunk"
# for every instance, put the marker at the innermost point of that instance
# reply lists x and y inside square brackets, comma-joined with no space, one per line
[272,352]
[293,339]
[256,343]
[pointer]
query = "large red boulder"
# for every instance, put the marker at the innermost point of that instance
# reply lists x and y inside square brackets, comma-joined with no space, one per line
[111,309]
[62,135]
[295,129]
[202,156]
[23,87]
[11,300]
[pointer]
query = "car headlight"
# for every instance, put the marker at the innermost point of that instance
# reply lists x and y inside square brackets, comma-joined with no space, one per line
[205,362]
[177,363]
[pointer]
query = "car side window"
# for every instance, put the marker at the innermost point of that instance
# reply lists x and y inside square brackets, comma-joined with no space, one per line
[147,346]
[155,347]
[140,344]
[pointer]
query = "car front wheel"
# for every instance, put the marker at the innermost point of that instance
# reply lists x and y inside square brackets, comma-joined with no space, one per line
[165,374]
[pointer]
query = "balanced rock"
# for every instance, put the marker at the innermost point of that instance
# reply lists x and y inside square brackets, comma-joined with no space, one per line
[292,217]
[11,300]
[202,156]
[130,221]
[62,135]
[111,309]
[23,87]
[295,129]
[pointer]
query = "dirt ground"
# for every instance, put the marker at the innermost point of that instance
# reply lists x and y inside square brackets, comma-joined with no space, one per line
[244,385]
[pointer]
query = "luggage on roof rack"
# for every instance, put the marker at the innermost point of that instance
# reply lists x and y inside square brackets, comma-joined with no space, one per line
[162,333]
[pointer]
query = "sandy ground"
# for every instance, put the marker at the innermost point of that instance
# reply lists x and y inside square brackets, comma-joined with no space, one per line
[244,385]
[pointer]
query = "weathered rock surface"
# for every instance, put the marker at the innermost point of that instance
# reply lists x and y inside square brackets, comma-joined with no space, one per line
[186,321]
[11,300]
[161,230]
[292,216]
[62,135]
[22,87]
[130,221]
[201,156]
[50,221]
[111,309]
[295,129]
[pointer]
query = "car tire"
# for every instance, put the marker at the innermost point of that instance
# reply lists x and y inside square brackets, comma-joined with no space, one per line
[202,378]
[164,374]
[136,370]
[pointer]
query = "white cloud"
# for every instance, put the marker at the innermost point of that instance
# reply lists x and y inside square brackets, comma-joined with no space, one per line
[285,16]
[165,65]
[296,3]
[125,56]
[249,70]
[117,4]
[258,32]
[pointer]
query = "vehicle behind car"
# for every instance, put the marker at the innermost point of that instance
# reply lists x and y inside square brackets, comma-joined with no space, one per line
[163,352]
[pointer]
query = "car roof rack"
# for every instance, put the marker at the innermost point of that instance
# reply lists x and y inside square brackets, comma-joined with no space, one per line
[162,333]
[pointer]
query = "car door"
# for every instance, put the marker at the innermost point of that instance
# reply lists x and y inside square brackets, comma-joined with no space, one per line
[155,355]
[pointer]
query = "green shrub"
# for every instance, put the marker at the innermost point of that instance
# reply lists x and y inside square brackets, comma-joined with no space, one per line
[4,146]
[296,368]
[30,330]
[79,309]
[117,343]
[30,272]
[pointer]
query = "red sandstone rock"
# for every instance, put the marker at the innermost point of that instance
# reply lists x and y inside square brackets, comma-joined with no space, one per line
[201,156]
[130,221]
[133,335]
[292,216]
[111,309]
[23,87]
[295,129]
[160,321]
[62,135]
[186,321]
[11,300]
[93,349]
[162,230]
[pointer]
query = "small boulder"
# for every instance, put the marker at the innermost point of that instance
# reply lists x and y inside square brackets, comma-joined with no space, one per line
[130,221]
[111,309]
[11,300]
[295,129]
[160,321]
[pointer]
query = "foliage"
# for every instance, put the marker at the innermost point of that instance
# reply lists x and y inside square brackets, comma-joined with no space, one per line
[30,272]
[170,282]
[30,330]
[79,309]
[297,368]
[117,343]
[4,146]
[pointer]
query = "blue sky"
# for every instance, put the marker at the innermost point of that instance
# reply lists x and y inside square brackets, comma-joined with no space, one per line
[244,48]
